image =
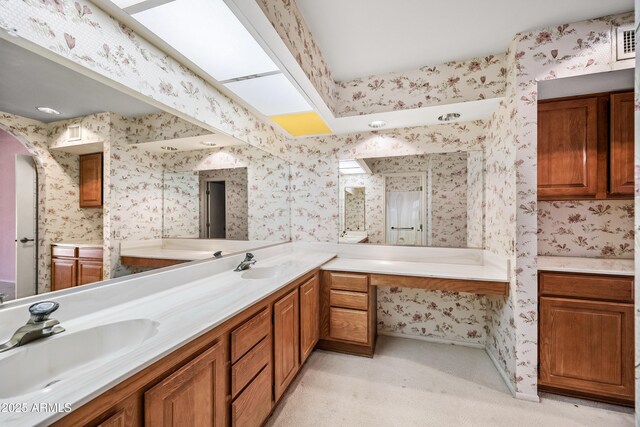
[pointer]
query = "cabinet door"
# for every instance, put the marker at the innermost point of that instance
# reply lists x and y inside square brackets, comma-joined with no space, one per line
[63,273]
[194,396]
[621,144]
[89,271]
[587,346]
[568,148]
[309,317]
[286,345]
[91,180]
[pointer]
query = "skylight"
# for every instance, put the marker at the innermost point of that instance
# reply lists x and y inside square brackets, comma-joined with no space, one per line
[271,95]
[207,33]
[349,167]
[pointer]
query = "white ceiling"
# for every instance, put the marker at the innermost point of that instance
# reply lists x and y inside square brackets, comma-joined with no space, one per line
[30,80]
[359,38]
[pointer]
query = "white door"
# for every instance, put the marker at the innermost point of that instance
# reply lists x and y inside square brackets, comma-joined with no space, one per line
[405,209]
[26,238]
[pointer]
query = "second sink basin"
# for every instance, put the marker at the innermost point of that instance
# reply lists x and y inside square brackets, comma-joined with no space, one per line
[41,364]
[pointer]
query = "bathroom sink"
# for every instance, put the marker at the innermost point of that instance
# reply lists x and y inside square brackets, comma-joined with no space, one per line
[263,273]
[39,365]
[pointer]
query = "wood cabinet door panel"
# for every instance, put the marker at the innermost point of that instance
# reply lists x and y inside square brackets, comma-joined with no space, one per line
[349,281]
[89,271]
[193,396]
[253,405]
[309,317]
[568,148]
[621,144]
[249,334]
[64,273]
[286,347]
[587,346]
[248,367]
[349,325]
[91,180]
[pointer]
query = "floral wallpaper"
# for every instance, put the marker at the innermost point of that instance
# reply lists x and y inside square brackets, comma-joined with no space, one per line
[449,316]
[354,209]
[287,21]
[560,51]
[181,204]
[236,188]
[455,81]
[60,217]
[637,222]
[475,199]
[599,229]
[267,178]
[82,33]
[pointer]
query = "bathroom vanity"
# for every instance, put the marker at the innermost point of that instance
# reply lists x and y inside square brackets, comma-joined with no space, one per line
[75,264]
[245,338]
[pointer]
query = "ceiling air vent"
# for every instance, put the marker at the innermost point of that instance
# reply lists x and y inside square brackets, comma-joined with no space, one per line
[625,43]
[73,133]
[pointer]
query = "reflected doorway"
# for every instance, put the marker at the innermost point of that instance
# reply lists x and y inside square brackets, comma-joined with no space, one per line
[18,219]
[216,210]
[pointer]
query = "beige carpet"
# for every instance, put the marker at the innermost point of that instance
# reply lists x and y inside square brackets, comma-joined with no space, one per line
[414,383]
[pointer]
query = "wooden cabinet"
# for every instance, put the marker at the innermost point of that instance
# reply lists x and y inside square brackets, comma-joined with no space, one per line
[73,266]
[585,147]
[586,336]
[622,142]
[286,344]
[309,317]
[347,313]
[64,273]
[195,395]
[251,372]
[568,148]
[227,376]
[91,180]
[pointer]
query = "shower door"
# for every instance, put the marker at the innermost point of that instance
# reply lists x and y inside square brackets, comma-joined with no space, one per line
[405,209]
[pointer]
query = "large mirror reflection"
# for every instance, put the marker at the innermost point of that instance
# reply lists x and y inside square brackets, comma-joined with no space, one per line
[431,199]
[98,184]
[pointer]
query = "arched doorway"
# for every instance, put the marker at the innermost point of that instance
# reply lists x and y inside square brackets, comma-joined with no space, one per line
[18,219]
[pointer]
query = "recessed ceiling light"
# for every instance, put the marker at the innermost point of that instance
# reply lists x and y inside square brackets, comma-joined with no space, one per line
[377,124]
[48,110]
[168,148]
[448,117]
[208,143]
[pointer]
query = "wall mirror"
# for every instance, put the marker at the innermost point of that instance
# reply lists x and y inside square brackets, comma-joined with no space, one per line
[90,174]
[434,199]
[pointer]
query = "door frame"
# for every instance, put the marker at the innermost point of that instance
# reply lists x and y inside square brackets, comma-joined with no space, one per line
[423,183]
[204,211]
[36,242]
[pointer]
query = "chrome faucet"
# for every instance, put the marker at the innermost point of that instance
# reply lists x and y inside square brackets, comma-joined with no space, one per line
[247,263]
[39,326]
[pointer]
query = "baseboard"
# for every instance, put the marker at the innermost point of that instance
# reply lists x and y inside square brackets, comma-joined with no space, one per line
[502,372]
[432,339]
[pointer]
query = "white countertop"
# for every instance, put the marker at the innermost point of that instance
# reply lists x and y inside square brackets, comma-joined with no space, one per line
[188,300]
[80,244]
[486,273]
[188,249]
[182,312]
[620,267]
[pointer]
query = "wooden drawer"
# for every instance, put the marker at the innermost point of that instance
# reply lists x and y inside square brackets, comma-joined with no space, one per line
[349,325]
[94,253]
[246,368]
[350,282]
[587,286]
[348,299]
[253,405]
[249,334]
[64,251]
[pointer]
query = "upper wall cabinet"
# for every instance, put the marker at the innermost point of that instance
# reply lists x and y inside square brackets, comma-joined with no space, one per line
[91,180]
[621,148]
[579,157]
